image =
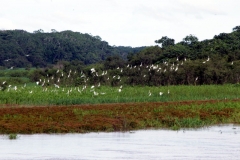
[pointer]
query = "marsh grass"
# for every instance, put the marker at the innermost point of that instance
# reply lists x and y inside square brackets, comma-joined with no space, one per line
[36,95]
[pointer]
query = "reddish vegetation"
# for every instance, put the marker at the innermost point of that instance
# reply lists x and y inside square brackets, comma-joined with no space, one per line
[99,117]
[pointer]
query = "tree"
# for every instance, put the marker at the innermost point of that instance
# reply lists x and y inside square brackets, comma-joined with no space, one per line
[53,30]
[222,36]
[113,62]
[165,41]
[38,31]
[237,28]
[190,39]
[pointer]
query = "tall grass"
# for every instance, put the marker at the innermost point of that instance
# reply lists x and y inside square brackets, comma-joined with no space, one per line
[36,95]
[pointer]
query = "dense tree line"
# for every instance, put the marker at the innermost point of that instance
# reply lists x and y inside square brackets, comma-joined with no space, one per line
[189,62]
[19,48]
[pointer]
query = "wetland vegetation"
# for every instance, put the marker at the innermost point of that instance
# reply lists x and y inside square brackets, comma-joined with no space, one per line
[81,88]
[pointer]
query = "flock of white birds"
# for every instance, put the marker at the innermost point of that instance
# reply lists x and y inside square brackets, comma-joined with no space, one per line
[56,81]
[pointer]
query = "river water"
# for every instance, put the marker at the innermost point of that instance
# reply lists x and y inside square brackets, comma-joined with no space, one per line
[217,142]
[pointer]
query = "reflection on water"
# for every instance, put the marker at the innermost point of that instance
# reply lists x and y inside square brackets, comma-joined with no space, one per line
[218,142]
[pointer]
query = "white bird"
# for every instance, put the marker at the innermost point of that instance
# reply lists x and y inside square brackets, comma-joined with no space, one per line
[57,86]
[95,93]
[93,70]
[149,93]
[176,69]
[208,59]
[160,93]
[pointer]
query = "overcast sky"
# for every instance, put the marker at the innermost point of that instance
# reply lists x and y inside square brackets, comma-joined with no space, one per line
[124,22]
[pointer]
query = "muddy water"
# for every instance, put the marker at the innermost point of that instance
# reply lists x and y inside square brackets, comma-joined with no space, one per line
[218,142]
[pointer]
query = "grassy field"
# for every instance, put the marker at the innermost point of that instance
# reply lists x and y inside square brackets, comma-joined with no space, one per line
[37,95]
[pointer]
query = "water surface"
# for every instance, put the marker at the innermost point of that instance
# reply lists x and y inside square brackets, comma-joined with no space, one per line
[217,142]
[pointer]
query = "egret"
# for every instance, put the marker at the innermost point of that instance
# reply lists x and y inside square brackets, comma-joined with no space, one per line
[95,93]
[208,58]
[149,93]
[93,70]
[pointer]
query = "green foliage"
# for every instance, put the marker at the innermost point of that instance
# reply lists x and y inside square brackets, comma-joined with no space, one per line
[73,54]
[165,41]
[147,56]
[114,62]
[19,48]
[12,136]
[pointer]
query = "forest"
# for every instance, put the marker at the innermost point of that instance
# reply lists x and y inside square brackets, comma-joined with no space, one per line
[19,48]
[84,58]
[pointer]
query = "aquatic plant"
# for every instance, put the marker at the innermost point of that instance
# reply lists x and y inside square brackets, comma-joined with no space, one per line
[12,136]
[118,116]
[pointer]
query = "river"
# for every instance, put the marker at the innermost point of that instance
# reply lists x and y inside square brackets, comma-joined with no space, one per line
[216,142]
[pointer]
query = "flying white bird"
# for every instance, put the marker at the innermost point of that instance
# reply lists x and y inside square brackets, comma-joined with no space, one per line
[93,70]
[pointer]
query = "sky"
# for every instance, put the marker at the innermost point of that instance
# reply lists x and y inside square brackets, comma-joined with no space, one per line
[132,23]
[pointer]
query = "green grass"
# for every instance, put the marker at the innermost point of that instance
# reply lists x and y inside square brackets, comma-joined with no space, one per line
[12,136]
[36,95]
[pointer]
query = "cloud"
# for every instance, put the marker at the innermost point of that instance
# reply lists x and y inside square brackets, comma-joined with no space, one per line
[125,22]
[6,24]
